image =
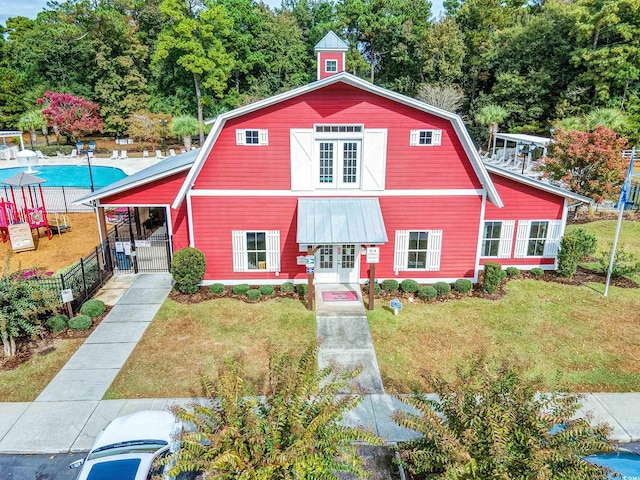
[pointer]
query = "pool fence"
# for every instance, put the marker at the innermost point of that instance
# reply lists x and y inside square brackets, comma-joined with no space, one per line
[58,199]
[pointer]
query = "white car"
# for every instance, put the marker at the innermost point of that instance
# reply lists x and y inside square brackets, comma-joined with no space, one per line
[128,446]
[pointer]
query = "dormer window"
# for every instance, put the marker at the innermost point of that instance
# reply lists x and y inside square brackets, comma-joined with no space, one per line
[425,138]
[331,66]
[252,137]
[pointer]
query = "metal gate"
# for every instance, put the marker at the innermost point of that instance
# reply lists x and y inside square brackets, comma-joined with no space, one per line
[132,253]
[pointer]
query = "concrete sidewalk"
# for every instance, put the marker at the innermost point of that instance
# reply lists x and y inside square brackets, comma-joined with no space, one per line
[64,407]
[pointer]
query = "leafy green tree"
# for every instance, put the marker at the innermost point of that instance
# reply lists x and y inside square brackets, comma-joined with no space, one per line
[443,53]
[31,122]
[194,36]
[588,163]
[491,115]
[22,302]
[184,126]
[491,423]
[295,431]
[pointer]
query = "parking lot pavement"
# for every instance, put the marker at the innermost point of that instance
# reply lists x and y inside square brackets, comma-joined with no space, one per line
[38,467]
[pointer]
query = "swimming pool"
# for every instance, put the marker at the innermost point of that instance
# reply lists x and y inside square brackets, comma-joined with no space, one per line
[70,175]
[626,464]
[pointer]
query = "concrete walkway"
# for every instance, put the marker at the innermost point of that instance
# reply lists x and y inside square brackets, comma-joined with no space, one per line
[345,338]
[64,407]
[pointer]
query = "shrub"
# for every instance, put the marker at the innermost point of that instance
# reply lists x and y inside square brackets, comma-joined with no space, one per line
[377,289]
[253,295]
[302,289]
[587,242]
[216,288]
[80,322]
[624,263]
[503,274]
[442,288]
[241,289]
[187,268]
[52,150]
[427,293]
[463,285]
[512,272]
[537,272]
[390,285]
[93,308]
[461,430]
[409,286]
[57,323]
[266,290]
[492,277]
[288,287]
[568,256]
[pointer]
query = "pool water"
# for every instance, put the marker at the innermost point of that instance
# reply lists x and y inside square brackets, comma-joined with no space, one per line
[70,175]
[625,463]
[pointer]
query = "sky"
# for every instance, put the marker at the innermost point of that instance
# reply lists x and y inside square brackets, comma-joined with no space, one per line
[30,8]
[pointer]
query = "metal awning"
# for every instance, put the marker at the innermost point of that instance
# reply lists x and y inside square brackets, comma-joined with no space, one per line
[323,221]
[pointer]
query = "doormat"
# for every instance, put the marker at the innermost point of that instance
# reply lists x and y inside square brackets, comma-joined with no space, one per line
[339,296]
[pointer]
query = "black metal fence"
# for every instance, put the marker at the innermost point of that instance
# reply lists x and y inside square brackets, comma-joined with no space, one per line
[149,251]
[633,201]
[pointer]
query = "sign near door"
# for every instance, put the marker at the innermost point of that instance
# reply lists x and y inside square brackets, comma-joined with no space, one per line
[373,254]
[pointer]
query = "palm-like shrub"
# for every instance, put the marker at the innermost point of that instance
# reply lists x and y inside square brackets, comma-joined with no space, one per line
[294,432]
[489,423]
[184,126]
[187,268]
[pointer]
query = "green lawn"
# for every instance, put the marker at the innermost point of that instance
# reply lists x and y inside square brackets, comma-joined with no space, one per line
[185,342]
[24,383]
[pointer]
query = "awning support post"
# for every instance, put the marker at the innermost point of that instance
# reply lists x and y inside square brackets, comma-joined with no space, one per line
[372,286]
[310,292]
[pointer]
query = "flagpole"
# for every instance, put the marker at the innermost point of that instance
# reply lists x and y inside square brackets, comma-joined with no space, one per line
[621,203]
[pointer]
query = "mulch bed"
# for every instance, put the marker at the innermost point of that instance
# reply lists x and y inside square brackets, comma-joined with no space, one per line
[205,294]
[584,216]
[45,344]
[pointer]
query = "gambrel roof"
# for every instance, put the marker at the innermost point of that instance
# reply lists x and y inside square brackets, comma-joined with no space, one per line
[348,79]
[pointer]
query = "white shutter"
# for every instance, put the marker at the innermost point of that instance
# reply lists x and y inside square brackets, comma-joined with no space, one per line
[273,250]
[414,138]
[522,238]
[506,238]
[264,137]
[400,253]
[554,234]
[240,136]
[301,159]
[239,250]
[433,249]
[436,137]
[374,159]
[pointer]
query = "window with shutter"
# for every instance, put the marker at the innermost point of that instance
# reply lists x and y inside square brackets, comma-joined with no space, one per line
[538,238]
[251,137]
[417,250]
[256,250]
[425,138]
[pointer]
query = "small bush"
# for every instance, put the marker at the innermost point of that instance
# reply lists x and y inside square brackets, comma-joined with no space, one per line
[409,286]
[587,242]
[57,323]
[427,293]
[568,256]
[287,287]
[624,263]
[187,268]
[512,272]
[377,289]
[442,288]
[216,288]
[80,322]
[302,289]
[503,274]
[537,272]
[266,290]
[463,285]
[253,295]
[93,308]
[390,285]
[492,277]
[241,289]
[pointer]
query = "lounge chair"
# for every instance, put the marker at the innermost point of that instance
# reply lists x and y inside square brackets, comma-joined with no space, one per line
[74,153]
[59,224]
[145,154]
[172,152]
[123,154]
[40,154]
[182,150]
[114,155]
[159,154]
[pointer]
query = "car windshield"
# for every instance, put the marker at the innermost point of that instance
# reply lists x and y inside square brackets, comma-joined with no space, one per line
[133,446]
[120,469]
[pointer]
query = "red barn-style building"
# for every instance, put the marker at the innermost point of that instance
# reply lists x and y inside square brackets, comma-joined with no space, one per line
[339,165]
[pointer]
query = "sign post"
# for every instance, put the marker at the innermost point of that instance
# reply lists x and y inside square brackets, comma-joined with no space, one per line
[373,257]
[396,305]
[67,297]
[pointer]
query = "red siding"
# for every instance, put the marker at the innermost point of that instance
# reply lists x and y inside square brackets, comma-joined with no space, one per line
[323,57]
[213,233]
[230,166]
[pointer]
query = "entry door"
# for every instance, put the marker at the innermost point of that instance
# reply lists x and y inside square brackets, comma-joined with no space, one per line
[337,264]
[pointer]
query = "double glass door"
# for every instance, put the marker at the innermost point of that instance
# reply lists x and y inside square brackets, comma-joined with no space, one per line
[338,264]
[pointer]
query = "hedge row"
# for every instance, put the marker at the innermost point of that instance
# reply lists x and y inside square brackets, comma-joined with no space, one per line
[441,289]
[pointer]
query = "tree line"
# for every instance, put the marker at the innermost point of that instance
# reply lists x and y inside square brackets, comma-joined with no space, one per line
[544,63]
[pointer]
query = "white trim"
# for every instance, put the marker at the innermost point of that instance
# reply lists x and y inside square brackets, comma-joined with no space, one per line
[552,242]
[344,77]
[337,193]
[565,214]
[480,232]
[190,221]
[505,244]
[256,281]
[522,239]
[326,62]
[422,280]
[549,266]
